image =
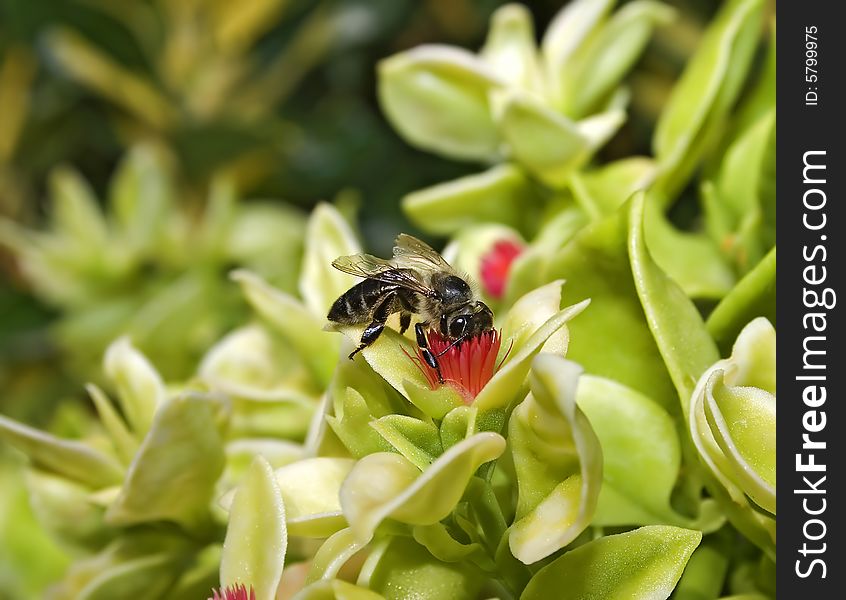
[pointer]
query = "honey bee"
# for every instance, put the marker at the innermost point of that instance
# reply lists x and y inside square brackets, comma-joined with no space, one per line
[416,281]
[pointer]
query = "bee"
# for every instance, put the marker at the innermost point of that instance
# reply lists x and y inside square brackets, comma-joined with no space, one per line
[416,281]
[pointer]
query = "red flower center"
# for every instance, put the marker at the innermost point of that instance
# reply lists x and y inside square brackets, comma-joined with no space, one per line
[466,366]
[237,591]
[495,266]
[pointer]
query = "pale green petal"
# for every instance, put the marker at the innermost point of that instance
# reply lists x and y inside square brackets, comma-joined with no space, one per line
[241,452]
[328,236]
[139,386]
[71,459]
[558,462]
[643,564]
[502,194]
[754,357]
[546,143]
[386,485]
[437,99]
[174,473]
[510,48]
[301,328]
[333,554]
[256,537]
[125,444]
[418,441]
[245,364]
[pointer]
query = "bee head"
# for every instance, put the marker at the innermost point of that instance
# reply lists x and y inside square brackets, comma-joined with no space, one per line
[470,322]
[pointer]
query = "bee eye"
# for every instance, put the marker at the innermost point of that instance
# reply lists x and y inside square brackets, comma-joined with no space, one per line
[458,327]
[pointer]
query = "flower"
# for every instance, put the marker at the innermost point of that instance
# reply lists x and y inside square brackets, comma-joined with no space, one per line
[467,366]
[496,265]
[234,592]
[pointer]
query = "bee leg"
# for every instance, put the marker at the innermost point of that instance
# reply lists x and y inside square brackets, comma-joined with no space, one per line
[405,321]
[374,330]
[424,350]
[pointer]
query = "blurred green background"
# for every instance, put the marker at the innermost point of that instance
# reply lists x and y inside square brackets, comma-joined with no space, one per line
[270,102]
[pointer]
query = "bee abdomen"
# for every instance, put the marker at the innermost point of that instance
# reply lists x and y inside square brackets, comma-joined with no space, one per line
[356,304]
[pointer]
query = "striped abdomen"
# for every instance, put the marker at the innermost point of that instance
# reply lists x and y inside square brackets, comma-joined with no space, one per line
[357,304]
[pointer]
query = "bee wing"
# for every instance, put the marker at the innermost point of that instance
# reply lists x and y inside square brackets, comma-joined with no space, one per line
[411,253]
[367,266]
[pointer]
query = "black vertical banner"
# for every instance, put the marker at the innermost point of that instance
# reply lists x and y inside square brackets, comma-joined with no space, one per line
[810,229]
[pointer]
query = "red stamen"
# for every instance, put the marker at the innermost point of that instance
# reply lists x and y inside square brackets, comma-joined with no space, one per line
[237,591]
[466,366]
[495,267]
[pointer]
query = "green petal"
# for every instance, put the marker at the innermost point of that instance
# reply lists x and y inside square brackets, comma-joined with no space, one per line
[147,577]
[302,329]
[546,143]
[558,462]
[71,459]
[706,91]
[754,356]
[643,564]
[125,444]
[402,569]
[351,423]
[510,48]
[437,98]
[139,386]
[174,473]
[753,296]
[241,452]
[76,212]
[328,236]
[640,450]
[256,538]
[502,194]
[386,485]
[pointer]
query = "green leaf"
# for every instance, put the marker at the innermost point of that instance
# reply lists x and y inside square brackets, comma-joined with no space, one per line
[328,236]
[401,567]
[256,537]
[351,423]
[139,386]
[301,328]
[75,211]
[147,577]
[502,194]
[310,489]
[640,451]
[706,91]
[603,190]
[676,325]
[558,461]
[437,99]
[174,472]
[333,554]
[124,443]
[595,264]
[386,485]
[609,54]
[68,458]
[643,564]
